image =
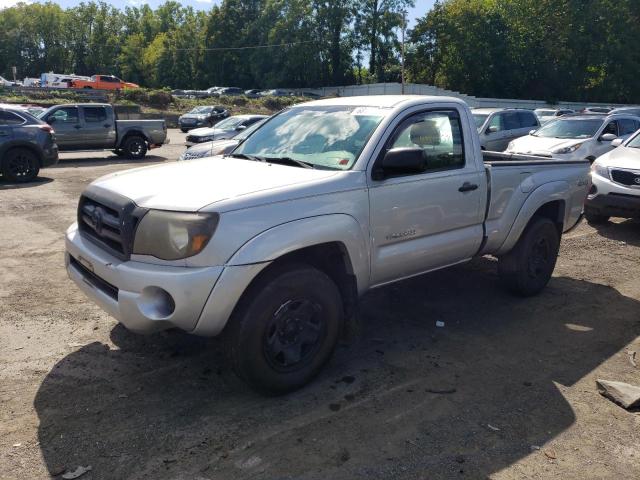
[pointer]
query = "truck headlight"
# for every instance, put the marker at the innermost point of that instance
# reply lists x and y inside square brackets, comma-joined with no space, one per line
[174,235]
[570,149]
[600,170]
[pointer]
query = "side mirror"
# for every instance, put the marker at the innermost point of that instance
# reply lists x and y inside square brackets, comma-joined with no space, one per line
[241,127]
[531,132]
[400,161]
[492,129]
[617,142]
[51,120]
[607,137]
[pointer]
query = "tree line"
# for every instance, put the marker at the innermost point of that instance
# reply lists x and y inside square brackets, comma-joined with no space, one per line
[300,43]
[582,50]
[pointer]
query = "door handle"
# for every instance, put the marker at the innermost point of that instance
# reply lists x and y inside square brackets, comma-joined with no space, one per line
[77,127]
[468,187]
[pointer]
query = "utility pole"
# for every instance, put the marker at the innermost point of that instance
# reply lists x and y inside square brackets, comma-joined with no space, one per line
[404,20]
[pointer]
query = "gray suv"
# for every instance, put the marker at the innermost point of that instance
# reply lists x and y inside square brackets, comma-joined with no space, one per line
[498,126]
[26,145]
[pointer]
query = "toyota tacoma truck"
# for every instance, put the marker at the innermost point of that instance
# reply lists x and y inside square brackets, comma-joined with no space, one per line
[93,126]
[272,245]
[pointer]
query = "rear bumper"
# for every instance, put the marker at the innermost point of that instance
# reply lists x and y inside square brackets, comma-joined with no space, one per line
[50,156]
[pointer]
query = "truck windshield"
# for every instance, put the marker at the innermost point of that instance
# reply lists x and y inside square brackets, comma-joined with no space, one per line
[574,128]
[326,137]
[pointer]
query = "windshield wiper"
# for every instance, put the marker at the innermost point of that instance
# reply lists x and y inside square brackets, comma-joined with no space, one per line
[289,161]
[247,156]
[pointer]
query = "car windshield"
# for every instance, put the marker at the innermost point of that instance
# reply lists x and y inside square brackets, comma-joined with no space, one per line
[479,118]
[230,123]
[574,128]
[201,110]
[327,137]
[634,142]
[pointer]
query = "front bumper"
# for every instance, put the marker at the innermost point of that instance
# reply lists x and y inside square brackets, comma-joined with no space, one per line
[144,297]
[613,200]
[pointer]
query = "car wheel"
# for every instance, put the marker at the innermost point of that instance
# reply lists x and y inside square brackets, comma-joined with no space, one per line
[528,267]
[184,130]
[285,328]
[20,165]
[595,218]
[134,147]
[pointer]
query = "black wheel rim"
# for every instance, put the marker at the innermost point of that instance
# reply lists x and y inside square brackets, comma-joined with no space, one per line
[135,147]
[20,165]
[294,335]
[539,258]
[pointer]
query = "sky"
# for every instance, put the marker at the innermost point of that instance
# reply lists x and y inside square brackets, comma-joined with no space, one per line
[421,6]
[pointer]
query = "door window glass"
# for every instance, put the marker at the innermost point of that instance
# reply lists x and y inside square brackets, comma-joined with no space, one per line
[66,115]
[95,114]
[497,122]
[627,126]
[527,119]
[10,118]
[611,128]
[511,121]
[438,134]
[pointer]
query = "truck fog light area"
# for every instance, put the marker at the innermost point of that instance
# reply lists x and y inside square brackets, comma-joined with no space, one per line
[156,303]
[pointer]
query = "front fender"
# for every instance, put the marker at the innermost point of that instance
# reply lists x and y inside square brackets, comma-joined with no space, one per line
[549,192]
[291,236]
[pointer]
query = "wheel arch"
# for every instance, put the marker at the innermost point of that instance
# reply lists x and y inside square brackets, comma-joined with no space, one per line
[27,146]
[132,133]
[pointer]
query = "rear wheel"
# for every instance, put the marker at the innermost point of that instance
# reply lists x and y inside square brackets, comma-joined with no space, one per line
[134,147]
[527,268]
[20,165]
[285,328]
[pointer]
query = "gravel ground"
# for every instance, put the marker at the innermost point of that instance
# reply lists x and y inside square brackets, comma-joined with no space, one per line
[505,390]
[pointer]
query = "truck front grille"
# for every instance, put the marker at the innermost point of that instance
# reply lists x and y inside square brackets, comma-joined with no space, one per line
[110,221]
[626,177]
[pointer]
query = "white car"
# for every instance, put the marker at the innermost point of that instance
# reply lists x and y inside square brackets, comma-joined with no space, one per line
[615,183]
[576,137]
[6,83]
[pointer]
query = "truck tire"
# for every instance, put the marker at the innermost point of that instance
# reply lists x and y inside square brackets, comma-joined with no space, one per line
[595,218]
[20,165]
[134,147]
[527,268]
[285,328]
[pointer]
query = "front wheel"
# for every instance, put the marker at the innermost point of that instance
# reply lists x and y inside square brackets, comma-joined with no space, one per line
[20,165]
[134,147]
[528,267]
[285,328]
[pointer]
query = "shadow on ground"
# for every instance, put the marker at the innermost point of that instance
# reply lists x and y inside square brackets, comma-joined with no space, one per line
[111,160]
[627,231]
[39,181]
[409,400]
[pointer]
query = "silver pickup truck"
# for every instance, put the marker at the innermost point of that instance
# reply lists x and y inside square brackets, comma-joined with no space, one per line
[273,244]
[93,126]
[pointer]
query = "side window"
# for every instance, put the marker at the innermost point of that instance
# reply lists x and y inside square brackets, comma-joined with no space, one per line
[496,122]
[95,114]
[611,128]
[438,134]
[8,119]
[511,121]
[66,115]
[527,120]
[627,126]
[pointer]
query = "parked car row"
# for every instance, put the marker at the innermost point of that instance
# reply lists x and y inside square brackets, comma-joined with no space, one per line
[213,92]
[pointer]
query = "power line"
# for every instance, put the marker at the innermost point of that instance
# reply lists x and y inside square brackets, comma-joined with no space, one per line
[217,49]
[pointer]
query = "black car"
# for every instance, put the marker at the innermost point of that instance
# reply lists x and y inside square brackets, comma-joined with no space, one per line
[26,145]
[204,116]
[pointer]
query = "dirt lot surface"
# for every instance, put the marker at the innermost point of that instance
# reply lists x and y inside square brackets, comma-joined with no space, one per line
[506,389]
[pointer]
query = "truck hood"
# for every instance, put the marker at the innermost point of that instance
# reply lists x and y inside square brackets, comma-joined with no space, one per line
[191,186]
[531,145]
[621,157]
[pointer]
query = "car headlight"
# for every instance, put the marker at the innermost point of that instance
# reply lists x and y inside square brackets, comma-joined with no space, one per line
[174,235]
[511,146]
[600,170]
[566,150]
